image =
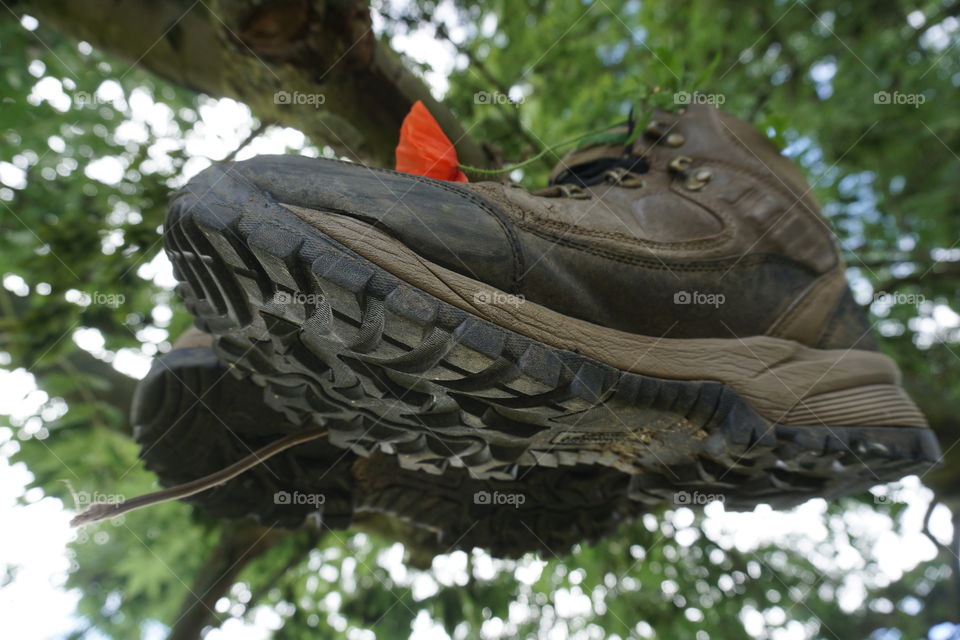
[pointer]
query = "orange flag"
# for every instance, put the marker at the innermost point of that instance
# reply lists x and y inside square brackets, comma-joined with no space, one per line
[424,149]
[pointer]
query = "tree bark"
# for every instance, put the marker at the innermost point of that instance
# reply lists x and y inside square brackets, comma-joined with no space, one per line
[313,65]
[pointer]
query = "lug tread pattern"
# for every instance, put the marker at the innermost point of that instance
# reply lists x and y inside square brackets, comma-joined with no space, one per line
[399,371]
[182,440]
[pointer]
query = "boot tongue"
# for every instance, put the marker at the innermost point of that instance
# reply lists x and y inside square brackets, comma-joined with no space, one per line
[589,164]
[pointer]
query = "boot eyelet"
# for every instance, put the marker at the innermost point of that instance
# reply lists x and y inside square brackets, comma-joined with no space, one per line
[621,177]
[656,129]
[680,164]
[698,180]
[664,133]
[573,191]
[563,191]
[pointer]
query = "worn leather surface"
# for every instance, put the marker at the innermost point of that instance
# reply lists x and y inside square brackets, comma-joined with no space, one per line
[773,374]
[626,258]
[453,227]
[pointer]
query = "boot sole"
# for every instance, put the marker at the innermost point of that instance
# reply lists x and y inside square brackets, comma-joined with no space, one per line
[547,510]
[191,418]
[333,335]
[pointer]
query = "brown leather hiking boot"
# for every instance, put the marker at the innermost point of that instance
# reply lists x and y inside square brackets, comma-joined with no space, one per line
[676,310]
[192,417]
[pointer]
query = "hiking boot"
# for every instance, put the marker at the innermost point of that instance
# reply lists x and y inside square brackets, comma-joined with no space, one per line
[676,310]
[193,417]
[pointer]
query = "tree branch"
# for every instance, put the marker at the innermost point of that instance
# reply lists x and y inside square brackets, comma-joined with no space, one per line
[254,133]
[103,511]
[313,65]
[948,270]
[238,546]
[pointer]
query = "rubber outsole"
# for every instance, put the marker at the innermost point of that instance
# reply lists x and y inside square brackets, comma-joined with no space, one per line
[334,336]
[547,511]
[192,417]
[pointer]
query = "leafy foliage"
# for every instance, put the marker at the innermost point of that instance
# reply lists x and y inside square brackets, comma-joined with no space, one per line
[807,73]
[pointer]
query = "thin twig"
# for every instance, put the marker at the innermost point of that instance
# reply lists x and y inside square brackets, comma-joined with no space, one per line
[103,511]
[255,132]
[955,543]
[951,549]
[926,526]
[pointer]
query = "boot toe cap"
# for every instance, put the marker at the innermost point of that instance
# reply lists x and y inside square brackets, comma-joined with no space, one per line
[440,221]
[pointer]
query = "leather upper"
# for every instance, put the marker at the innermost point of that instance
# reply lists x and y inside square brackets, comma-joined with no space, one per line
[713,234]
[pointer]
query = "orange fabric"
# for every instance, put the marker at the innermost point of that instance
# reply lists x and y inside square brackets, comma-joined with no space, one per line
[424,149]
